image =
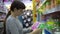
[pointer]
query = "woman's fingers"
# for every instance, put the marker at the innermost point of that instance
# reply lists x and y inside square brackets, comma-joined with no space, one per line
[37,31]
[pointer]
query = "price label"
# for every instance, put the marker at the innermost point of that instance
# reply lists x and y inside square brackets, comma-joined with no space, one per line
[56,32]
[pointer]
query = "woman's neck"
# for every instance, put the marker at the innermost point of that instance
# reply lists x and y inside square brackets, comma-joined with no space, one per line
[13,15]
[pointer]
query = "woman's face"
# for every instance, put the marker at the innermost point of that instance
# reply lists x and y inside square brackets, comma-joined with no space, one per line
[18,12]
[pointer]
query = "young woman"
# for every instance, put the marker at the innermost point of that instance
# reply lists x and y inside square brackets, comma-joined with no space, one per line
[13,25]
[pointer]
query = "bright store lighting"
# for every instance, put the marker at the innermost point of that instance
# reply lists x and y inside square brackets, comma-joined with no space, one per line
[24,20]
[28,13]
[28,4]
[29,19]
[27,24]
[7,4]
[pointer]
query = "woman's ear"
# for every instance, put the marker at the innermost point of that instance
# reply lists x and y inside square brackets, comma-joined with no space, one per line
[15,9]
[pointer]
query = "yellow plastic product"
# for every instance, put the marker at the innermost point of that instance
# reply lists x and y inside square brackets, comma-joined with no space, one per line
[50,22]
[34,11]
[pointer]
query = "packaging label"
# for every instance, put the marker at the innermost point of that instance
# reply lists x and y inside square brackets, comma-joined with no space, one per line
[56,32]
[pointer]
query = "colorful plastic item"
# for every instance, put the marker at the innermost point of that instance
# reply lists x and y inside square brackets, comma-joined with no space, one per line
[49,27]
[50,22]
[47,32]
[35,25]
[41,26]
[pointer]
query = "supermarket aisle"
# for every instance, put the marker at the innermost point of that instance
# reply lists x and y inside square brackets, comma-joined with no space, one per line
[46,14]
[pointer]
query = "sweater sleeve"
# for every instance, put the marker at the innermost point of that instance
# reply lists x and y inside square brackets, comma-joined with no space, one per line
[27,30]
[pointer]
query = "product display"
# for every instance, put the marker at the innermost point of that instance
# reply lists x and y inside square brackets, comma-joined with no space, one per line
[47,9]
[39,14]
[27,18]
[35,25]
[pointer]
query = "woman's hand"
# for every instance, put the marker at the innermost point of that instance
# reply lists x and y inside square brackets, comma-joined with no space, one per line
[37,31]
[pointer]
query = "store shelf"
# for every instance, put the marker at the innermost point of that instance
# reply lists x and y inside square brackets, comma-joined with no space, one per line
[52,10]
[1,20]
[42,3]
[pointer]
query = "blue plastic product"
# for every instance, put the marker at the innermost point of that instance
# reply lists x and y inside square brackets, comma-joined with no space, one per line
[47,32]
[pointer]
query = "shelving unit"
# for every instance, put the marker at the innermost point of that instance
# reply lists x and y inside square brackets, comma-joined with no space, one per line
[48,9]
[57,8]
[2,18]
[2,21]
[51,9]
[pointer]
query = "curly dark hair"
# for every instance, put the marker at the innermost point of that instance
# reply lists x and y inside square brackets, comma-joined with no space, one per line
[17,5]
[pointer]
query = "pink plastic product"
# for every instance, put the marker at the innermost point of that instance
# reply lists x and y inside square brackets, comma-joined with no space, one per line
[12,0]
[35,26]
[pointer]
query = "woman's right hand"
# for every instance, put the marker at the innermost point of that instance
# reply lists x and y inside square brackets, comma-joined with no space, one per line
[36,31]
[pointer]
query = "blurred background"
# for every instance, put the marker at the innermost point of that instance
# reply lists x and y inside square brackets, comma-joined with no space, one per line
[44,14]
